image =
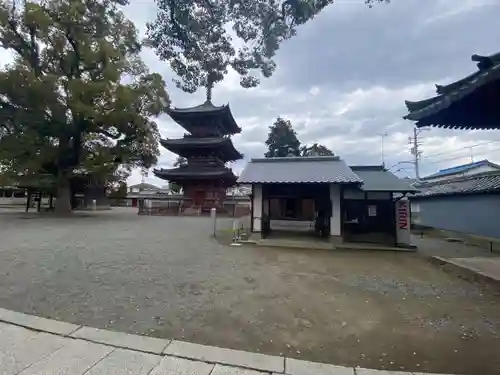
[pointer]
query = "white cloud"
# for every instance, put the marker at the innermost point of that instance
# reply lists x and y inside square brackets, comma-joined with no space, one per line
[445,9]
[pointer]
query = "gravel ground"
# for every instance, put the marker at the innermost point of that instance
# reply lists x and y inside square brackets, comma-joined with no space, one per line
[165,277]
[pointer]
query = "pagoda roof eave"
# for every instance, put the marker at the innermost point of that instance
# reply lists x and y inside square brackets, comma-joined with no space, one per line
[446,109]
[224,145]
[187,173]
[180,115]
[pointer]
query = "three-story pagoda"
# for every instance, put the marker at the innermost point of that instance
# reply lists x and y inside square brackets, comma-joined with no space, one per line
[207,148]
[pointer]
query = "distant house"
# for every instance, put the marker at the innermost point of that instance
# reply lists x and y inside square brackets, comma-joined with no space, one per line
[142,187]
[469,169]
[12,196]
[134,192]
[468,204]
[239,191]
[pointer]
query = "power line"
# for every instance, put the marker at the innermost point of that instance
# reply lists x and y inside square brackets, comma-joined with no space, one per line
[461,157]
[461,148]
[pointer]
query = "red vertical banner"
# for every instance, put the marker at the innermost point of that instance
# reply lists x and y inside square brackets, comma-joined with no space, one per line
[403,214]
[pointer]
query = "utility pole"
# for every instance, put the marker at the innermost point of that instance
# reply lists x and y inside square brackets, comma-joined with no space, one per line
[144,174]
[415,142]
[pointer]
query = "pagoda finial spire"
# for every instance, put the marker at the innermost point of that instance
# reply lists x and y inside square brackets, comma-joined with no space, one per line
[209,87]
[209,93]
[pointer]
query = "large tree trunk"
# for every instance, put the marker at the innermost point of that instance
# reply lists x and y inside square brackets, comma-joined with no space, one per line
[63,201]
[63,188]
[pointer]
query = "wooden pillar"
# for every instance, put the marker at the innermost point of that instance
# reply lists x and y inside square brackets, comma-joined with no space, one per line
[251,209]
[394,220]
[39,203]
[263,220]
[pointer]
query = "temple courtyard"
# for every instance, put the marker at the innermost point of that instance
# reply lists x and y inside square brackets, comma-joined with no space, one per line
[165,277]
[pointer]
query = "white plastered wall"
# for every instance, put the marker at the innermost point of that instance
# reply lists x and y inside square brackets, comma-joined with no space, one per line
[336,220]
[257,207]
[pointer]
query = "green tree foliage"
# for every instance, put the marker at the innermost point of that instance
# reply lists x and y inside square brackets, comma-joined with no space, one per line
[282,140]
[77,99]
[195,36]
[119,192]
[316,150]
[180,162]
[175,187]
[117,179]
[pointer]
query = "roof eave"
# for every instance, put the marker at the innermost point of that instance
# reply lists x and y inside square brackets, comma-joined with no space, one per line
[429,112]
[179,115]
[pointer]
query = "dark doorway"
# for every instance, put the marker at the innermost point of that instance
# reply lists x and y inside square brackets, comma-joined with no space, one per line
[293,209]
[365,220]
[199,197]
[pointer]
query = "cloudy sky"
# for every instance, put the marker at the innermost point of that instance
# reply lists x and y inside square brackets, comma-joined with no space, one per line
[343,79]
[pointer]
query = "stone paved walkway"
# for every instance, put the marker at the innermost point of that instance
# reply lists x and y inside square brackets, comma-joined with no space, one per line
[488,268]
[32,345]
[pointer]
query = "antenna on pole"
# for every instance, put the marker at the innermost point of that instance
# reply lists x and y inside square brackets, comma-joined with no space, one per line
[471,155]
[382,155]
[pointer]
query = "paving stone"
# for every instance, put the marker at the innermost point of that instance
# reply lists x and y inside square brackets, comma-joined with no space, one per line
[299,367]
[227,370]
[226,356]
[38,323]
[123,340]
[125,362]
[22,354]
[181,366]
[11,335]
[72,359]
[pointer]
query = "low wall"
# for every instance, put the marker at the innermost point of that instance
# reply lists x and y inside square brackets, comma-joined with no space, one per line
[12,201]
[476,214]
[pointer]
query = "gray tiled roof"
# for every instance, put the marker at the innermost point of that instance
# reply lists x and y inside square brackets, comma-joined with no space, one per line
[223,113]
[312,169]
[377,178]
[486,182]
[205,107]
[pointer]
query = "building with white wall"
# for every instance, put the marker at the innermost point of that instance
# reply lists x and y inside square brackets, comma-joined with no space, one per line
[138,188]
[12,196]
[323,196]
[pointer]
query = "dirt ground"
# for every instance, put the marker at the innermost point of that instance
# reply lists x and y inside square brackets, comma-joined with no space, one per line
[165,277]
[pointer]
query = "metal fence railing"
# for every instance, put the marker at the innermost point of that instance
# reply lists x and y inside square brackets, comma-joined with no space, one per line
[187,207]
